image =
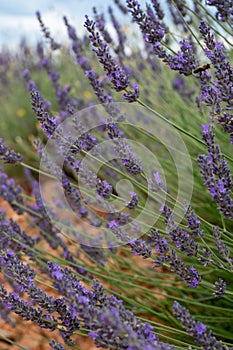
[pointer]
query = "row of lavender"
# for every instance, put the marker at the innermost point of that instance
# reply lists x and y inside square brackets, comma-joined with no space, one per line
[196,246]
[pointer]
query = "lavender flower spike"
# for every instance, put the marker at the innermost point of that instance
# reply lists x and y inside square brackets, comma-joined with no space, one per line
[197,330]
[216,174]
[116,74]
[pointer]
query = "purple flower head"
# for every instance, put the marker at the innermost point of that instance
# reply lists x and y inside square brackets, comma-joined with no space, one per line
[56,271]
[200,328]
[116,73]
[196,329]
[219,288]
[140,247]
[205,129]
[103,188]
[8,155]
[132,96]
[134,167]
[133,201]
[195,279]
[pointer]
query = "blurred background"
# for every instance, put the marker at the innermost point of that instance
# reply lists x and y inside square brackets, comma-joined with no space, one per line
[17,21]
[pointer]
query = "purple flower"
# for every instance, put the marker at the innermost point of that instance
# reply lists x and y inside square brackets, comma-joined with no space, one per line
[48,124]
[103,188]
[133,166]
[116,74]
[8,155]
[196,329]
[193,222]
[182,239]
[110,324]
[219,288]
[139,247]
[205,129]
[132,96]
[133,201]
[185,61]
[57,272]
[216,174]
[200,328]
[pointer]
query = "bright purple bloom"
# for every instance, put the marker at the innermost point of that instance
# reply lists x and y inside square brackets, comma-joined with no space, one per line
[140,247]
[116,73]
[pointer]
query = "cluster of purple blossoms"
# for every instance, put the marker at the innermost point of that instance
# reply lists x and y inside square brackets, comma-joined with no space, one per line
[150,26]
[8,155]
[197,329]
[140,247]
[185,61]
[132,164]
[219,288]
[24,278]
[159,12]
[223,70]
[181,238]
[30,84]
[116,73]
[218,94]
[110,324]
[133,201]
[153,31]
[56,346]
[189,274]
[48,123]
[13,238]
[216,174]
[164,255]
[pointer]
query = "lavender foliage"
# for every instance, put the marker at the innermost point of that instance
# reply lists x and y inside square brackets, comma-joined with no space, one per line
[192,257]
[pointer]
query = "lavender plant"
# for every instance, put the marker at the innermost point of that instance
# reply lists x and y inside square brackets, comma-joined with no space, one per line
[134,245]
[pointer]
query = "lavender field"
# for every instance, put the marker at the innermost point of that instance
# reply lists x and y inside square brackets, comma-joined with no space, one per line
[116,190]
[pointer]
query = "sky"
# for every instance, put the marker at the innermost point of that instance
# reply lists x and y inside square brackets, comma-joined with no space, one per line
[17,18]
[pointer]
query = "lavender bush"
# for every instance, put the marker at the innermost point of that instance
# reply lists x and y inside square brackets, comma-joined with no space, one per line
[128,200]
